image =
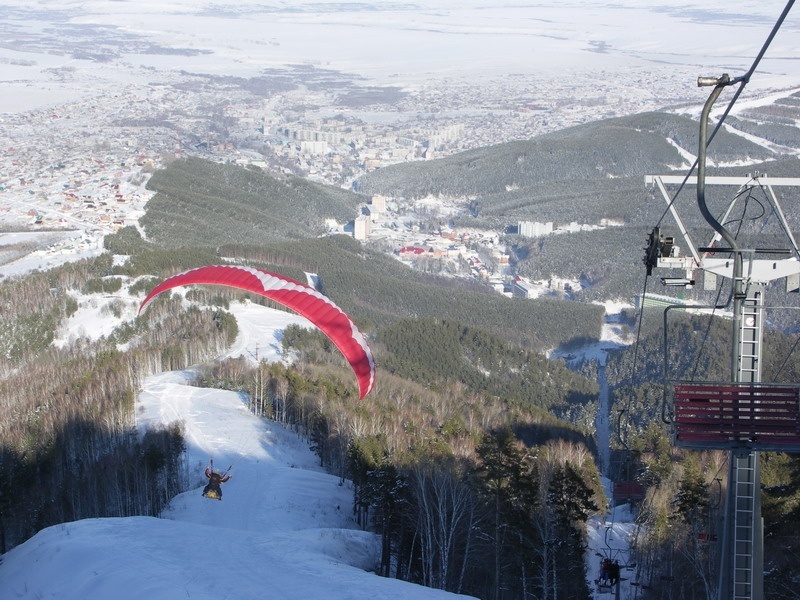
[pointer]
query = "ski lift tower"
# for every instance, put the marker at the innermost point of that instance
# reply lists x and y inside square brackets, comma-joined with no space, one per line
[743,416]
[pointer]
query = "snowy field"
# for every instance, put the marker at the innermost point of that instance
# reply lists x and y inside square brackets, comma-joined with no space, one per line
[283,530]
[394,43]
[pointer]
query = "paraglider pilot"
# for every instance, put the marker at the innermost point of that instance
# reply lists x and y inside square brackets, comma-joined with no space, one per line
[215,480]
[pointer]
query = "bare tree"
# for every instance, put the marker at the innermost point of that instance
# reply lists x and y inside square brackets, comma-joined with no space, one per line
[445,519]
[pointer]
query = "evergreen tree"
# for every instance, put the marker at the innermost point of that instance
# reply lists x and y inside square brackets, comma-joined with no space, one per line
[382,499]
[509,481]
[571,501]
[692,501]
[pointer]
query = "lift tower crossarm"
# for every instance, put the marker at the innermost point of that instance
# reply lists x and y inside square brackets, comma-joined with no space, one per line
[740,181]
[759,271]
[660,180]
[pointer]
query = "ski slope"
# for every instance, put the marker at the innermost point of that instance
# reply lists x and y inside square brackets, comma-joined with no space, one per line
[282,531]
[284,528]
[612,536]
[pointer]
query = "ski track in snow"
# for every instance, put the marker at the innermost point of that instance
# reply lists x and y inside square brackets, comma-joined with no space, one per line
[283,530]
[609,535]
[282,516]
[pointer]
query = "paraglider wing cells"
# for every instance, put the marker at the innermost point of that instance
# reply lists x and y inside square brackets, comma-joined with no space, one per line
[293,294]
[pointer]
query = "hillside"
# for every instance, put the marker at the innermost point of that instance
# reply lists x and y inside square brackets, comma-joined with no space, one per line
[465,401]
[377,289]
[199,202]
[608,149]
[585,174]
[425,427]
[590,173]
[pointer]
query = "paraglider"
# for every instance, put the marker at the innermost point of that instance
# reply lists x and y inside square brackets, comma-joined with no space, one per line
[302,298]
[213,489]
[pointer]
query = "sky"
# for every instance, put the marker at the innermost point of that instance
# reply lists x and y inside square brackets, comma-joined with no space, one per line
[284,528]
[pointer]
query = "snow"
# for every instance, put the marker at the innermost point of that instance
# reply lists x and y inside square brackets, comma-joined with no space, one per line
[261,337]
[54,249]
[405,44]
[396,42]
[611,536]
[284,529]
[613,335]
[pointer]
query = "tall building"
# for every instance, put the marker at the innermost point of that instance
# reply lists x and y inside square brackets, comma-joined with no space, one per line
[362,227]
[535,229]
[378,204]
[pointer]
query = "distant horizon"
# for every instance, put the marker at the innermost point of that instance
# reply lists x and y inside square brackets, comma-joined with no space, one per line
[620,46]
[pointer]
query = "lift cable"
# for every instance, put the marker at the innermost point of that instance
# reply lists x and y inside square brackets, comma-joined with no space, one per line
[633,366]
[743,81]
[719,84]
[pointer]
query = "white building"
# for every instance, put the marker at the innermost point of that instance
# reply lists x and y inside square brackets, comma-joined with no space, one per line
[378,204]
[362,227]
[314,147]
[535,229]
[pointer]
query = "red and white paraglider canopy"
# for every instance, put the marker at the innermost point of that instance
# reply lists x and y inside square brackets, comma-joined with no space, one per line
[293,294]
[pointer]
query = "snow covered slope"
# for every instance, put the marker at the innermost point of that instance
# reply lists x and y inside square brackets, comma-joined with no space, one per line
[283,530]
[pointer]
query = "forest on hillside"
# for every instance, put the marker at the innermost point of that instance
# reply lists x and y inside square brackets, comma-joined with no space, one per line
[612,148]
[377,289]
[68,445]
[201,203]
[490,429]
[595,173]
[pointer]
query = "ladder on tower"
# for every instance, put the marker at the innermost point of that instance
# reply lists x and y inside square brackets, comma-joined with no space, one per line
[744,536]
[750,336]
[744,415]
[747,543]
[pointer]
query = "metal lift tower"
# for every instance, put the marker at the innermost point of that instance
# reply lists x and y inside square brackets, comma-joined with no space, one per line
[743,416]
